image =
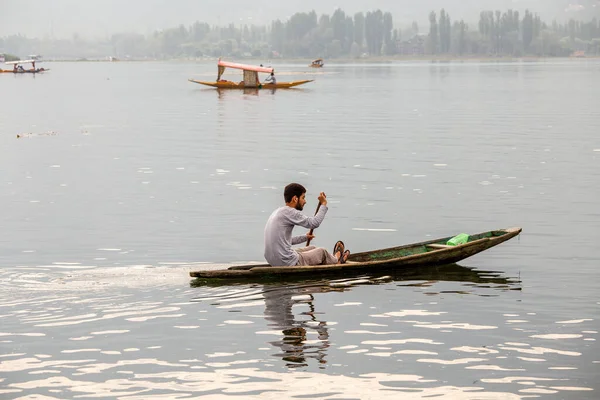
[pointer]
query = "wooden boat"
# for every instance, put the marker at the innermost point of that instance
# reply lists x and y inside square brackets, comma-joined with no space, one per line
[232,85]
[318,63]
[25,71]
[250,78]
[433,252]
[427,273]
[18,69]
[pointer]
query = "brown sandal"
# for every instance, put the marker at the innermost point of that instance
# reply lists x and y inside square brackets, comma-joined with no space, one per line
[339,246]
[344,256]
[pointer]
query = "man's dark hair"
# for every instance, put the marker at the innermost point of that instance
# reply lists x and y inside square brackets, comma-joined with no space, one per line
[291,190]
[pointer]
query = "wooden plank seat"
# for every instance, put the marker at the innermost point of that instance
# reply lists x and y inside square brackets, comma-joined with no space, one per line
[439,246]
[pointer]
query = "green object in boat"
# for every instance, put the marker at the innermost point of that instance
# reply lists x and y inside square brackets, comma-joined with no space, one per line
[458,239]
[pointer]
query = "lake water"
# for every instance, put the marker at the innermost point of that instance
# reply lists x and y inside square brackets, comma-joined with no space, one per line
[117,179]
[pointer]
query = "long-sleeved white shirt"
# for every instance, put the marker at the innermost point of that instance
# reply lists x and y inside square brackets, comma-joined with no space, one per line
[278,234]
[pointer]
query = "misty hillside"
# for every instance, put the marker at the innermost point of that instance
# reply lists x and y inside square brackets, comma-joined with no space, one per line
[99,18]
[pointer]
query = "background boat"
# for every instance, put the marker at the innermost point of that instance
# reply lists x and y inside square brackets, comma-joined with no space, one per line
[250,78]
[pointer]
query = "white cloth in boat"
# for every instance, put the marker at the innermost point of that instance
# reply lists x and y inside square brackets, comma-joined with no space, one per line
[278,234]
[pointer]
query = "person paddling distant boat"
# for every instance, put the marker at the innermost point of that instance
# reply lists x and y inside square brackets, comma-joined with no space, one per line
[271,79]
[278,233]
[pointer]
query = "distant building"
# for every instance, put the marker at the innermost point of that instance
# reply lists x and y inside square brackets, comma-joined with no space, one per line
[414,46]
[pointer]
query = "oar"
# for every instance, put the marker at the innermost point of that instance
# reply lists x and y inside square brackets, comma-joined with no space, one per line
[311,231]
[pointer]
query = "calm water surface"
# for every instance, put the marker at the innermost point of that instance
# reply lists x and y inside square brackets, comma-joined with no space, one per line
[125,177]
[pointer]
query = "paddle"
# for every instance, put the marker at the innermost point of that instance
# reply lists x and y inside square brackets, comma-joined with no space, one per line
[311,231]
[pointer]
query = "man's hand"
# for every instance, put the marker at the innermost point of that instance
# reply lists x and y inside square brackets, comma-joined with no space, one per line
[310,237]
[322,199]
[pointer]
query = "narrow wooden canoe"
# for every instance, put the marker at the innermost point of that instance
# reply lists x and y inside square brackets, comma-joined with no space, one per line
[234,85]
[340,279]
[433,252]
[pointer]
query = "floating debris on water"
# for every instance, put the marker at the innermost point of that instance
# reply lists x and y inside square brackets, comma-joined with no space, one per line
[31,134]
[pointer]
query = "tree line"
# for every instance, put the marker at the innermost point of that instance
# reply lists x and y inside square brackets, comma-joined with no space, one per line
[307,35]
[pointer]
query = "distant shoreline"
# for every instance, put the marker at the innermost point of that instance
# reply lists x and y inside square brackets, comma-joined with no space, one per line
[450,58]
[343,60]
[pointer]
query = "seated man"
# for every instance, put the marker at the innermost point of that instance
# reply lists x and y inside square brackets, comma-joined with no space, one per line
[271,79]
[278,233]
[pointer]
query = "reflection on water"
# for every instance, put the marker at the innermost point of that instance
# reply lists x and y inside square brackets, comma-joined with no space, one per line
[228,93]
[139,332]
[298,328]
[225,93]
[295,348]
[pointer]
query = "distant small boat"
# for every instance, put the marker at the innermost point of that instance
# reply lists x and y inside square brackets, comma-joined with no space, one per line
[433,252]
[18,68]
[250,78]
[318,63]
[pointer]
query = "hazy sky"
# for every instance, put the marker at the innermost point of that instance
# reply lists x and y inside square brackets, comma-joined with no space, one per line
[100,18]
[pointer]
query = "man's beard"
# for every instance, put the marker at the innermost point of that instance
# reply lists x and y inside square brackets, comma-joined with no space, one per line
[299,207]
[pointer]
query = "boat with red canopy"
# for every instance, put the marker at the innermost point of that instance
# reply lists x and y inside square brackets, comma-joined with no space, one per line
[250,78]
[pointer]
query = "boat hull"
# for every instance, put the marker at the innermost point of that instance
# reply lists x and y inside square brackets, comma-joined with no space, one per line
[233,85]
[27,71]
[433,252]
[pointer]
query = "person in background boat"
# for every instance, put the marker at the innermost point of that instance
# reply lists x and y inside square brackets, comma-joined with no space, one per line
[278,233]
[271,79]
[15,68]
